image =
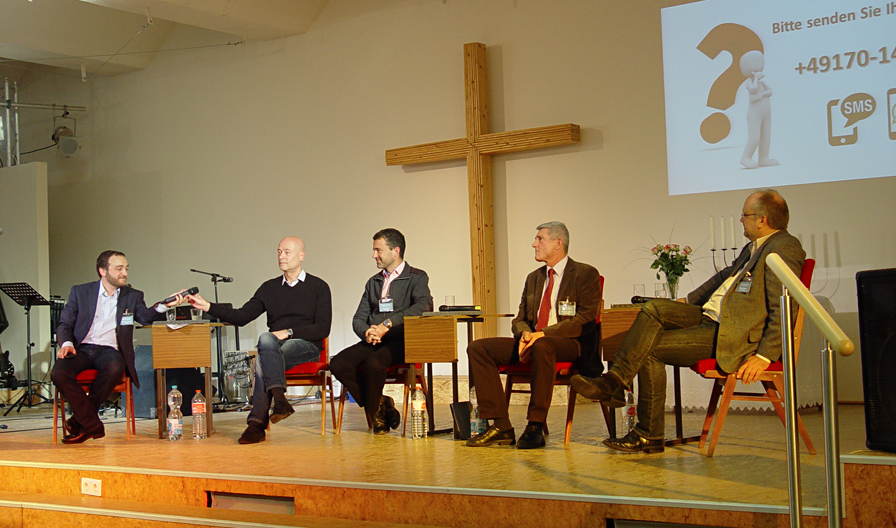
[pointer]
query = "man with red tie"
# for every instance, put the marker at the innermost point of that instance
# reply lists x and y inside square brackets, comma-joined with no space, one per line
[555,322]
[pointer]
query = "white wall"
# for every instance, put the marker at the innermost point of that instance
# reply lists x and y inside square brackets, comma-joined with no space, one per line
[209,156]
[24,257]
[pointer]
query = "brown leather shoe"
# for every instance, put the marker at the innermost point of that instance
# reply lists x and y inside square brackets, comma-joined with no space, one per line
[606,388]
[253,434]
[493,436]
[635,443]
[281,410]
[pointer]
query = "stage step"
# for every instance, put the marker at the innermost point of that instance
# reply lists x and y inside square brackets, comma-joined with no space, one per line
[19,510]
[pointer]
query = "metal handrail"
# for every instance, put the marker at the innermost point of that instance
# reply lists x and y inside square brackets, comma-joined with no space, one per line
[822,319]
[833,334]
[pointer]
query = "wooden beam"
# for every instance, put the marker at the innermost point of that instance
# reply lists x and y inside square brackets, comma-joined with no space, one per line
[477,147]
[452,149]
[529,139]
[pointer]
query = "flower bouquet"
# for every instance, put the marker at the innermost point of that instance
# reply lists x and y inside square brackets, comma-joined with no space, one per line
[672,260]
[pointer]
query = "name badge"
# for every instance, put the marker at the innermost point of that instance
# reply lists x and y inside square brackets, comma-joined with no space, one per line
[127,319]
[567,308]
[744,285]
[386,304]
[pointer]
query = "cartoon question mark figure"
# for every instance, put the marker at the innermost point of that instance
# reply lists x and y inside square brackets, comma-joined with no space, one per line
[736,40]
[759,113]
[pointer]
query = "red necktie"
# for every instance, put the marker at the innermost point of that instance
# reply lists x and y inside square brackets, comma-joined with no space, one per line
[545,311]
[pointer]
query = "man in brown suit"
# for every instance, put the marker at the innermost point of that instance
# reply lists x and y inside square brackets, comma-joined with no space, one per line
[734,317]
[556,322]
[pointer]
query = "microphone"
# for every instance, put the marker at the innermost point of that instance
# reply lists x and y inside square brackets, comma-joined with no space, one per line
[225,279]
[637,299]
[192,291]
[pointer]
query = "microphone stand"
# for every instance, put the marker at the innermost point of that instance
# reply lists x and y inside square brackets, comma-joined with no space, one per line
[217,277]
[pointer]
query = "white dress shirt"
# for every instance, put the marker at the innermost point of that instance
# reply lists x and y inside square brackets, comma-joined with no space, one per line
[102,329]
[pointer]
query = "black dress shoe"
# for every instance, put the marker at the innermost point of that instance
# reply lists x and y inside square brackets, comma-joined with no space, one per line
[635,443]
[83,436]
[253,434]
[73,427]
[493,436]
[532,438]
[390,413]
[606,388]
[281,410]
[380,427]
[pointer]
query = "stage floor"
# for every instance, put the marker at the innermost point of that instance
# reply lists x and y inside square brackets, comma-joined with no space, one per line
[747,473]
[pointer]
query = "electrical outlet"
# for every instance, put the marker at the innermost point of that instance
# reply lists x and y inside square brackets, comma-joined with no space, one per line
[92,487]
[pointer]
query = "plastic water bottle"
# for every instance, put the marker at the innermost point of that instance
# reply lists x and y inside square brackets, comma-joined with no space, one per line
[175,417]
[477,424]
[418,412]
[629,412]
[198,408]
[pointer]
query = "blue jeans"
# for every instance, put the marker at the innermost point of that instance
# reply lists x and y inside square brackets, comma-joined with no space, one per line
[275,357]
[664,333]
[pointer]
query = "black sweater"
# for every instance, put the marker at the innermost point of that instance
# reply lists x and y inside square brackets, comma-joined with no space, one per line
[305,307]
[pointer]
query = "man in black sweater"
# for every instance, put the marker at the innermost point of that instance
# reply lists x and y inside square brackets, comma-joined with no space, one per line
[299,312]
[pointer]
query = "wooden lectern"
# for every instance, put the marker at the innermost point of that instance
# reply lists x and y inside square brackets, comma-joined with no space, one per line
[432,338]
[185,347]
[614,325]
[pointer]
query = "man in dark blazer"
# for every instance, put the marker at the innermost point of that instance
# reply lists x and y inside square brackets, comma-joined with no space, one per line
[96,329]
[389,296]
[734,317]
[555,322]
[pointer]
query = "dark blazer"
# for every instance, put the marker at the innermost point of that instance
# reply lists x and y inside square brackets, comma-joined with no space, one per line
[79,311]
[750,323]
[581,285]
[410,297]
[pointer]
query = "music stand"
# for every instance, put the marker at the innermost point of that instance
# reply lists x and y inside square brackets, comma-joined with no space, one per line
[24,295]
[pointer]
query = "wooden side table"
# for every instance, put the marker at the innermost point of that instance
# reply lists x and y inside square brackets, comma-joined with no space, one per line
[186,347]
[614,325]
[432,338]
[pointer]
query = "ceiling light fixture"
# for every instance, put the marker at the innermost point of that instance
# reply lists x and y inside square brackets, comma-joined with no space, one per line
[67,144]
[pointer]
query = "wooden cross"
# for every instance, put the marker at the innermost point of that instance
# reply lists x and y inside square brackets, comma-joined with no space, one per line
[477,148]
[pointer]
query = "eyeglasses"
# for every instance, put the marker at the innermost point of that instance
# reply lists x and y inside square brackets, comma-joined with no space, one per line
[744,215]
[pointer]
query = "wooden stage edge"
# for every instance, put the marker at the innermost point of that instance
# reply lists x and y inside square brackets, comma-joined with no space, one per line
[36,494]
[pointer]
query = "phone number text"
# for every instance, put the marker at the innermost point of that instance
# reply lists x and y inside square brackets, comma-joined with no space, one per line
[846,61]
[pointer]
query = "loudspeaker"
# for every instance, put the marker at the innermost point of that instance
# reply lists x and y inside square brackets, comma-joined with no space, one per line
[186,379]
[877,330]
[57,304]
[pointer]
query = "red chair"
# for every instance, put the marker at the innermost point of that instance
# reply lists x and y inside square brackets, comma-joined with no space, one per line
[522,373]
[313,375]
[396,374]
[85,379]
[772,380]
